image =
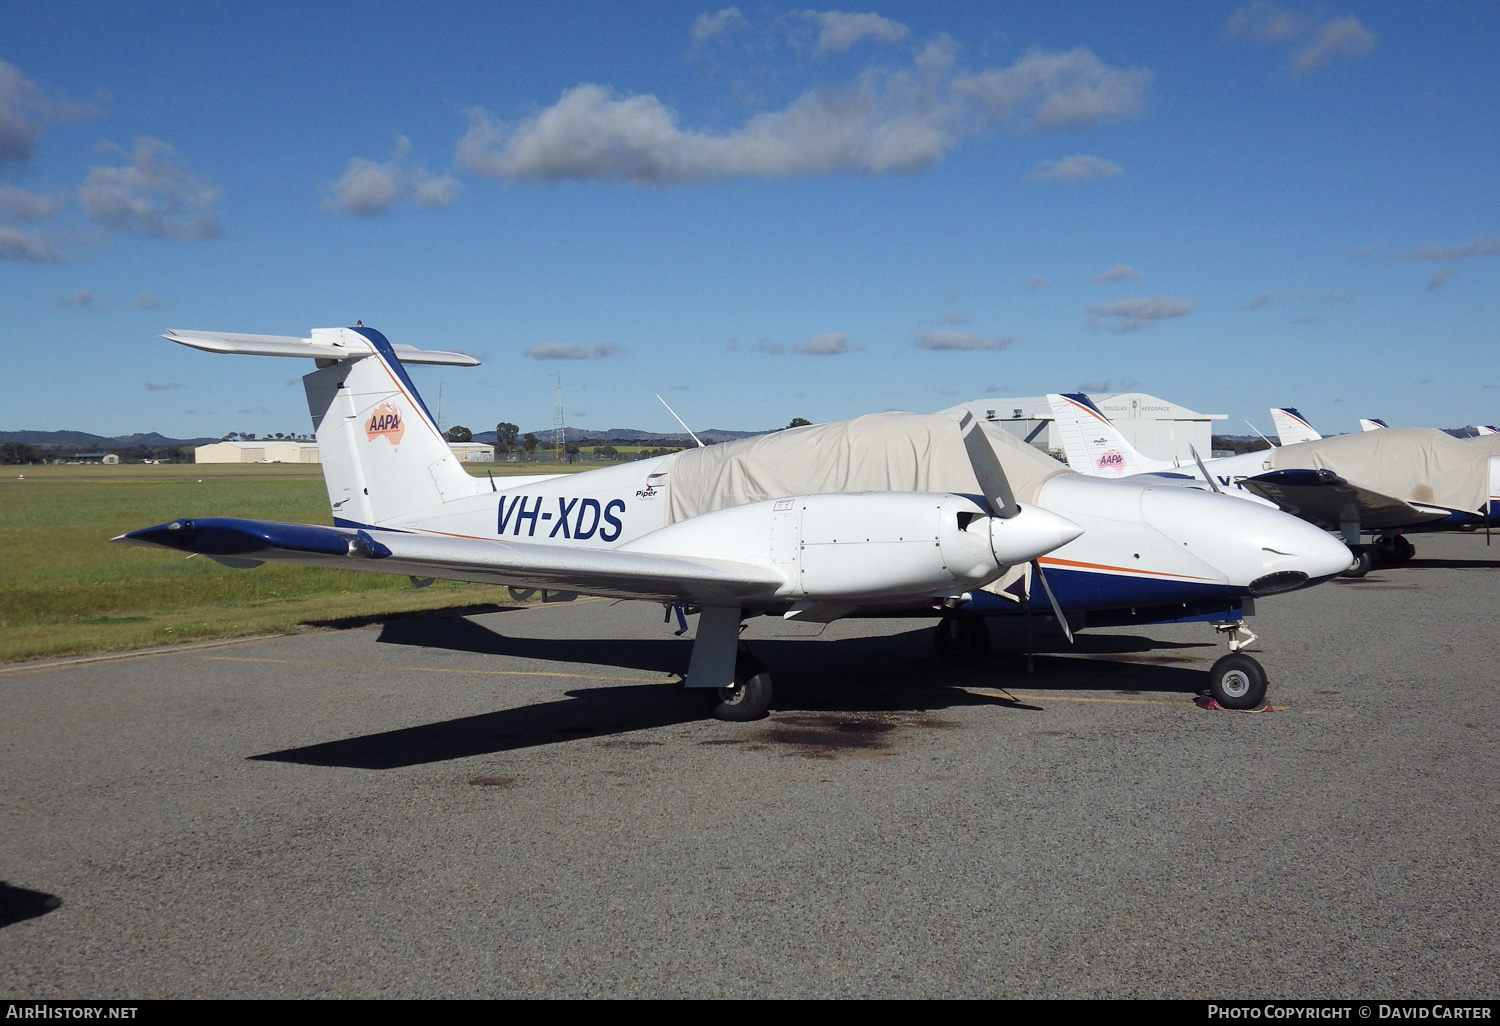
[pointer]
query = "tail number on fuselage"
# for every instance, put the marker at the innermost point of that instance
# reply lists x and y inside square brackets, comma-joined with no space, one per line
[578,519]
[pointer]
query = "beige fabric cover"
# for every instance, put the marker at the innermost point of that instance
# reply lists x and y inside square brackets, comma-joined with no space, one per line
[1421,465]
[1488,444]
[880,452]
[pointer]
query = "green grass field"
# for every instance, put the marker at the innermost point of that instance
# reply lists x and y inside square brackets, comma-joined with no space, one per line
[65,590]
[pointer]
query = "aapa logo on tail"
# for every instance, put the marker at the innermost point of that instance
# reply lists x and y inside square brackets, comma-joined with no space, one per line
[386,420]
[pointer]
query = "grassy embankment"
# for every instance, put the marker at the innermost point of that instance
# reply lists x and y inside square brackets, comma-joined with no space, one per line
[65,590]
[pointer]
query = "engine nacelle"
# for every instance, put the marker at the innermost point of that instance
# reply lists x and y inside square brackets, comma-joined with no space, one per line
[867,546]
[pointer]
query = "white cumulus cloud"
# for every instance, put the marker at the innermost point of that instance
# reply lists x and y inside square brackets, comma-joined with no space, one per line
[832,344]
[1075,169]
[1135,314]
[572,351]
[150,196]
[29,247]
[25,109]
[1340,39]
[1481,245]
[712,26]
[944,339]
[369,187]
[882,122]
[838,32]
[1119,272]
[1053,90]
[1315,43]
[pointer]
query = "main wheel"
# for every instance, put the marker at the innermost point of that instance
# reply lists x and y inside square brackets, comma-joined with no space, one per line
[1386,549]
[961,640]
[750,696]
[1237,682]
[1404,548]
[1362,562]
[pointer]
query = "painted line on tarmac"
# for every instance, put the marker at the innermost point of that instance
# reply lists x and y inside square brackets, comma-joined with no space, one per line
[198,646]
[442,669]
[989,693]
[144,653]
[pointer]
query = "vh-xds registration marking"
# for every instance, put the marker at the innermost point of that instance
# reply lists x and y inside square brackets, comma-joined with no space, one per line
[586,515]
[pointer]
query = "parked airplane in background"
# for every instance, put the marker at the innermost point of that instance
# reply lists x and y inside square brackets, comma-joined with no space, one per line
[1386,483]
[889,514]
[1292,427]
[1372,425]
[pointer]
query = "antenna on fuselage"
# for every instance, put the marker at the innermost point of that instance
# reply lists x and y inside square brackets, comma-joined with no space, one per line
[1263,438]
[681,421]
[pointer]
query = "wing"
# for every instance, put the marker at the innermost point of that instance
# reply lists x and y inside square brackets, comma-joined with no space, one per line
[1324,498]
[632,575]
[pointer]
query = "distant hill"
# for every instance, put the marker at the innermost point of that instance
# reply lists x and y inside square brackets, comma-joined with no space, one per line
[82,441]
[628,436]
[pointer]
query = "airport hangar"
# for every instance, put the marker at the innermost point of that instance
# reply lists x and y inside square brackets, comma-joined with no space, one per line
[1160,429]
[276,450]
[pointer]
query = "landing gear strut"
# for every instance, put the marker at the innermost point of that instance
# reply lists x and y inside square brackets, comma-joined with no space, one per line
[961,640]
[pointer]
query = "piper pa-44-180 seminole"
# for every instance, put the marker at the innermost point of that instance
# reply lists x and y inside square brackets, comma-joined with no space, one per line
[890,514]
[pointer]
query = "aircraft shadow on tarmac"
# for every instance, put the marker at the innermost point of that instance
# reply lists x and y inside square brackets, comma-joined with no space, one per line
[17,904]
[889,674]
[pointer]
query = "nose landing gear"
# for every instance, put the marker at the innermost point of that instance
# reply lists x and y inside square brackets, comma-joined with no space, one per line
[1237,681]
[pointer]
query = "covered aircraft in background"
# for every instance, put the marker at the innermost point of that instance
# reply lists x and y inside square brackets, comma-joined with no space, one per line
[889,514]
[1386,484]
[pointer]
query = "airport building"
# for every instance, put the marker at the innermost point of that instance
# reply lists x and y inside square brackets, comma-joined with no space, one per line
[1159,429]
[264,450]
[276,450]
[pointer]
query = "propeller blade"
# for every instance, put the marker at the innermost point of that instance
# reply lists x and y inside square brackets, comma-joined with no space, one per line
[987,469]
[1036,569]
[1204,470]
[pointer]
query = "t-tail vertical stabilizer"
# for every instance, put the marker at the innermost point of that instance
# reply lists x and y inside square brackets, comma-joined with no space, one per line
[383,455]
[1292,427]
[1093,445]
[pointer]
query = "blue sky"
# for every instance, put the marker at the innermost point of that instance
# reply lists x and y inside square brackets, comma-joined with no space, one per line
[760,213]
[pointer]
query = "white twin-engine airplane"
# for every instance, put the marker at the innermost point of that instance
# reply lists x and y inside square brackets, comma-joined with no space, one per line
[1385,483]
[889,514]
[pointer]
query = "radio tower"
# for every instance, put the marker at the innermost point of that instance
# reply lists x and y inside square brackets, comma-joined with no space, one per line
[559,433]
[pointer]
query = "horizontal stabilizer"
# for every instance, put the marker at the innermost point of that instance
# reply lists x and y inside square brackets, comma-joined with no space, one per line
[325,344]
[611,573]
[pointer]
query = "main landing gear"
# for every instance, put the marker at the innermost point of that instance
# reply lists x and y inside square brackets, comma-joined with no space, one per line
[748,698]
[961,640]
[1388,550]
[1394,548]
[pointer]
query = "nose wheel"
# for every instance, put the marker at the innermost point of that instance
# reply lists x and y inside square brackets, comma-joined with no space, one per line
[1237,681]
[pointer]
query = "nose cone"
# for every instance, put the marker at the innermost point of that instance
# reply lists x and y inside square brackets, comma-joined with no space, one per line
[1030,533]
[1260,549]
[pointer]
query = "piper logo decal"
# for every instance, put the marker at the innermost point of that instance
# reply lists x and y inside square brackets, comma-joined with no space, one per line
[386,421]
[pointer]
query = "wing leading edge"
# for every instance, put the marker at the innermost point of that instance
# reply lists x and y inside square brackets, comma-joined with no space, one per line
[610,573]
